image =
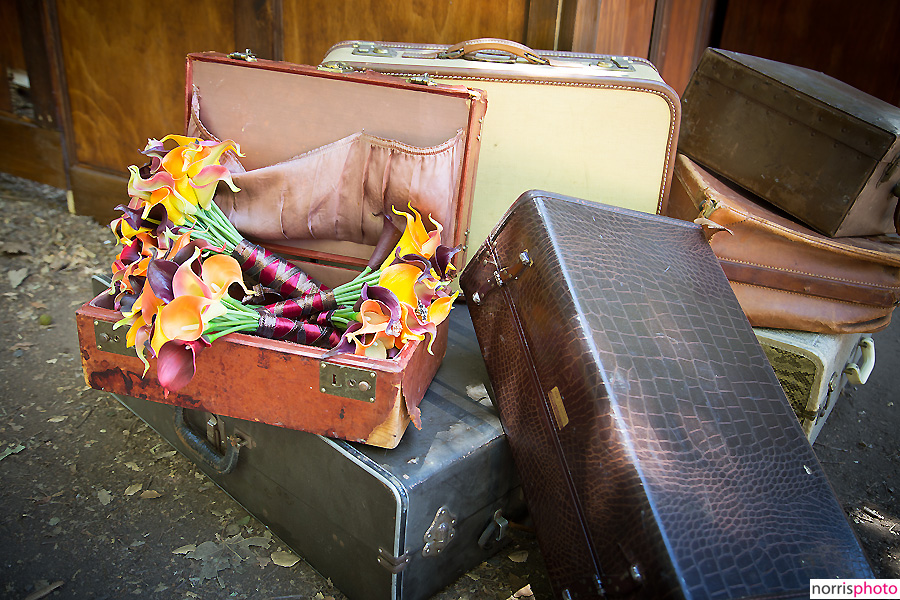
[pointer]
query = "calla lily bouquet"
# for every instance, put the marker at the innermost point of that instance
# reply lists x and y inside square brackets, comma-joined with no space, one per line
[181,277]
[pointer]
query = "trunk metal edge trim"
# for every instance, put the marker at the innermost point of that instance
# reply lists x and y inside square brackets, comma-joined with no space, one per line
[397,488]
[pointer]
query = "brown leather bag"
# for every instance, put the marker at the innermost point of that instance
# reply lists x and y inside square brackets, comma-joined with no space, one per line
[785,275]
[658,454]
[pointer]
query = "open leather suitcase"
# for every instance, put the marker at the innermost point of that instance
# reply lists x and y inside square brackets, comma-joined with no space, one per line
[822,151]
[382,525]
[814,369]
[785,275]
[587,125]
[659,456]
[340,149]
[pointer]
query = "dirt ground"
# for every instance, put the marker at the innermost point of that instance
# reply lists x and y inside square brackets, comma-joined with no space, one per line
[96,505]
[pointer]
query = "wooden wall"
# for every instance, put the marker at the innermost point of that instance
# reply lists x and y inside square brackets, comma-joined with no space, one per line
[856,42]
[108,74]
[311,27]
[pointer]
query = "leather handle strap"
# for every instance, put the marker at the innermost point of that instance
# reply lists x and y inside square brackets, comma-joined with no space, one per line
[220,463]
[502,276]
[472,47]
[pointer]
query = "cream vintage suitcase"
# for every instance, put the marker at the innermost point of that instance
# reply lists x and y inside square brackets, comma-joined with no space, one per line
[814,369]
[593,126]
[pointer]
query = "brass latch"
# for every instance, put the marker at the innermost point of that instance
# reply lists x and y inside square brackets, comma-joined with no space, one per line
[111,340]
[347,382]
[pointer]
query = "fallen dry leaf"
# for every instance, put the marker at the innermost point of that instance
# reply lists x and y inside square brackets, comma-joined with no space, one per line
[104,496]
[525,592]
[59,419]
[17,276]
[44,591]
[285,559]
[131,490]
[150,494]
[185,549]
[518,557]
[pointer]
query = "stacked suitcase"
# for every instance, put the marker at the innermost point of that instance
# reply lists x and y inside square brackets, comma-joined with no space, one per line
[801,170]
[657,452]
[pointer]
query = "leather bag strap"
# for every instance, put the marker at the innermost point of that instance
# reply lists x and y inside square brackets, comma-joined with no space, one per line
[810,285]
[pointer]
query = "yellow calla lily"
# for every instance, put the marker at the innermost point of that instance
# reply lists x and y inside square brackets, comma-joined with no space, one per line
[401,279]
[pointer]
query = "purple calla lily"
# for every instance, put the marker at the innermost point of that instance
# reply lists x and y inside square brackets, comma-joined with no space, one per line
[177,363]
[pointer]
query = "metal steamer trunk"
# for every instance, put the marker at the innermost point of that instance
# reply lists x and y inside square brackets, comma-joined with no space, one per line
[382,524]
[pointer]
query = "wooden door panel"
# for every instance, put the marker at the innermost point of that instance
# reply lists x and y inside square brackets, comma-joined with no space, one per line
[311,27]
[125,64]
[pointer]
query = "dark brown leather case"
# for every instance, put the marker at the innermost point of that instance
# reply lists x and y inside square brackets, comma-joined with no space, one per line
[822,151]
[658,454]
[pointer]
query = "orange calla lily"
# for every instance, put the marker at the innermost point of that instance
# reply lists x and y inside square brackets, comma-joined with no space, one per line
[372,335]
[440,308]
[217,272]
[185,317]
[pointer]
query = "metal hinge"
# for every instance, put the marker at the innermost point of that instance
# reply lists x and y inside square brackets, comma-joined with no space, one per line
[423,79]
[890,169]
[372,50]
[335,66]
[613,63]
[246,55]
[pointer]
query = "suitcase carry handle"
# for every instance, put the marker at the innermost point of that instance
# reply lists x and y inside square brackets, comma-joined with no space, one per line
[858,373]
[470,48]
[220,463]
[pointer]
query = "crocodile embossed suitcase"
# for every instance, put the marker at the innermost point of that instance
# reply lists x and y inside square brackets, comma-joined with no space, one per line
[382,524]
[659,456]
[588,125]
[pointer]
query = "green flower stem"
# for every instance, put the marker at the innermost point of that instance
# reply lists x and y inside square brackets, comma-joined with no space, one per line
[237,307]
[236,328]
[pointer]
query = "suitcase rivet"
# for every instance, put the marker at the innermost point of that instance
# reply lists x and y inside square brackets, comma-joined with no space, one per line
[364,386]
[323,389]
